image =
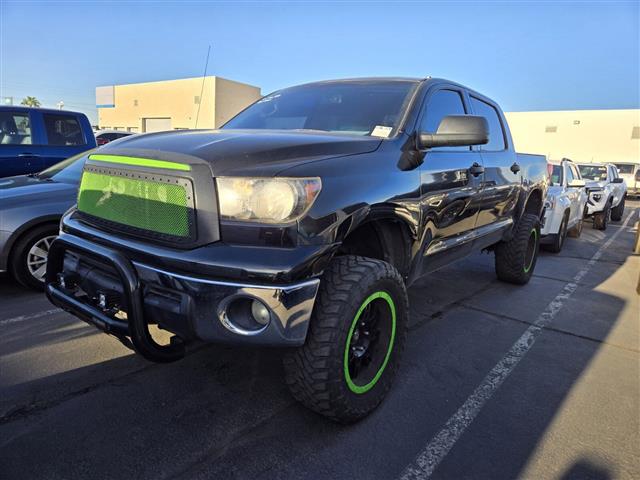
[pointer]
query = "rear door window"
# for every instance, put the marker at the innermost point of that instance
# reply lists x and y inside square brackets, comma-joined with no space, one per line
[15,128]
[496,132]
[63,130]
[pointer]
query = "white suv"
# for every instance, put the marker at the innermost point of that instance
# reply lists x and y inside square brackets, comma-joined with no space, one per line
[564,206]
[607,192]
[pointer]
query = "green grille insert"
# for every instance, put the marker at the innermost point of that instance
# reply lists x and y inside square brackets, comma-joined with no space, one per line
[132,201]
[140,162]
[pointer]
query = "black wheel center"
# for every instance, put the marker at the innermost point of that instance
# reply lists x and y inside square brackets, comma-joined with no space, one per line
[369,342]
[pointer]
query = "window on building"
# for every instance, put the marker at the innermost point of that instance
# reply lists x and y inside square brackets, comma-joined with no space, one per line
[63,129]
[550,129]
[15,128]
[496,133]
[196,99]
[133,129]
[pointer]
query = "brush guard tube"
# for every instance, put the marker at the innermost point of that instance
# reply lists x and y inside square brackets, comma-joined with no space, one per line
[134,332]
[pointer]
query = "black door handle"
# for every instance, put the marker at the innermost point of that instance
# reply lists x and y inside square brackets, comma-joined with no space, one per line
[476,169]
[515,168]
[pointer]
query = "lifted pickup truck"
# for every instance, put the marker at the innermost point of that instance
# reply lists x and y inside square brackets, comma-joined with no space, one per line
[300,224]
[607,193]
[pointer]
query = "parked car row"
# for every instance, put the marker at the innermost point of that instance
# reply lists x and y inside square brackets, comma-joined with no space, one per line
[577,193]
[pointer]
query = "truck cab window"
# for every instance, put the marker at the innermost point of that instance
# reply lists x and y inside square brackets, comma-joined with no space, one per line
[15,128]
[496,133]
[63,130]
[441,104]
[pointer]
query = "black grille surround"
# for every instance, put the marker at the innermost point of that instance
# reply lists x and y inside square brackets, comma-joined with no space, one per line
[199,183]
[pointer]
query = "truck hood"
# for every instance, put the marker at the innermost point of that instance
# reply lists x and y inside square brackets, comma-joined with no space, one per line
[247,152]
[24,191]
[592,184]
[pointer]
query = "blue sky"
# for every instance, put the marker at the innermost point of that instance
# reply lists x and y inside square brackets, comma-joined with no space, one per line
[528,56]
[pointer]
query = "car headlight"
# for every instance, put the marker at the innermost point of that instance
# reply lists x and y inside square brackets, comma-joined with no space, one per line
[266,200]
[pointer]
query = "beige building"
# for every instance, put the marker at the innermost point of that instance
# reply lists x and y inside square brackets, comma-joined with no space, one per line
[172,104]
[581,135]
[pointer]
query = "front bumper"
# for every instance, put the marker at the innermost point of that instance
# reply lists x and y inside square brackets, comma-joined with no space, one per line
[596,206]
[81,274]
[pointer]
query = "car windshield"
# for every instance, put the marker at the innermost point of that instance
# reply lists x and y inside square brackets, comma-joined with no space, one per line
[67,171]
[593,172]
[555,174]
[625,168]
[350,107]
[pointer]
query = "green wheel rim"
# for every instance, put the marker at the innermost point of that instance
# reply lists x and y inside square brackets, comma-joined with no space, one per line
[359,389]
[533,234]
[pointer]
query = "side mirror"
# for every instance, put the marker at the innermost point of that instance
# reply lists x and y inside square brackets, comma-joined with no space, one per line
[457,131]
[617,180]
[576,183]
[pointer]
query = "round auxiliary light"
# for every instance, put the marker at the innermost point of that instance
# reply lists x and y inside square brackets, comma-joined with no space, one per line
[260,312]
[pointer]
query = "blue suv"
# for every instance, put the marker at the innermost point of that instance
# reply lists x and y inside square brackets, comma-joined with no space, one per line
[32,139]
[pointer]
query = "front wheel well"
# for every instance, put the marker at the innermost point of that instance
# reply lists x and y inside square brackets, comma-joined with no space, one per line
[387,240]
[534,203]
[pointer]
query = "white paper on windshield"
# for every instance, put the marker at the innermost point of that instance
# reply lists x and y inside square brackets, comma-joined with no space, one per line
[381,131]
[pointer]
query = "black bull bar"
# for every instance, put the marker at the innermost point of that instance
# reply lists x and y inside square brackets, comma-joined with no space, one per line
[135,327]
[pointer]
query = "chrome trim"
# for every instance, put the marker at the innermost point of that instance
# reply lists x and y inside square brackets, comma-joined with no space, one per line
[442,245]
[291,286]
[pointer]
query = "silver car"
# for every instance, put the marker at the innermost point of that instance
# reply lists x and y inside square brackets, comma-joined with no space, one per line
[30,210]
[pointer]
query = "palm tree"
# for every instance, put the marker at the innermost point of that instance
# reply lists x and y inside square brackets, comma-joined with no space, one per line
[30,102]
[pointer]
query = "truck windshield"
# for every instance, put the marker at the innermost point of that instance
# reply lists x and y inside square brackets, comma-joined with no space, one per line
[349,107]
[593,172]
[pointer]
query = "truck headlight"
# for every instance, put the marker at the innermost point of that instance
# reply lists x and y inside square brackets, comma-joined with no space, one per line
[550,203]
[266,200]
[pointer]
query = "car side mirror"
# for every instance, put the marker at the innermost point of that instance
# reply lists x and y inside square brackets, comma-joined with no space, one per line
[457,131]
[576,183]
[617,180]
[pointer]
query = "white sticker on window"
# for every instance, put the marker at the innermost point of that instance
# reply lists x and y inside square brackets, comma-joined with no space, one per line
[381,131]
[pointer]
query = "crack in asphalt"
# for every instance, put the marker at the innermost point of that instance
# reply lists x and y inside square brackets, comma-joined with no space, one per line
[548,328]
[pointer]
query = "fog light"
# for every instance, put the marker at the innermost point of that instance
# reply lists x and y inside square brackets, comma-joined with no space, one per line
[260,312]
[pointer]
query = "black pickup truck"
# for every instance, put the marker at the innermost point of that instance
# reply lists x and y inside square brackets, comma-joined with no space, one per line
[299,224]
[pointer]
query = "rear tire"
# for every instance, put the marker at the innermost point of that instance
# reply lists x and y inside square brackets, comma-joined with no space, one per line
[361,309]
[559,239]
[516,259]
[29,256]
[618,212]
[601,219]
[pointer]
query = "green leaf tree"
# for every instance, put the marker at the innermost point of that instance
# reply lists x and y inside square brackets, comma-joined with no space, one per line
[30,102]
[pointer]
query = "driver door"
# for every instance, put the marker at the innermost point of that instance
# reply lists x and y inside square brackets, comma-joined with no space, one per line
[449,191]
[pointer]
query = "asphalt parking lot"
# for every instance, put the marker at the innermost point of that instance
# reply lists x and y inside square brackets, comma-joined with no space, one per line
[498,381]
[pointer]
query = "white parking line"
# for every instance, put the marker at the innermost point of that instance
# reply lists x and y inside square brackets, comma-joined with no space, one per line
[434,452]
[23,318]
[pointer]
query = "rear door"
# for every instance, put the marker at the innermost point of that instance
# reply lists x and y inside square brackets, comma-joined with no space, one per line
[450,191]
[64,137]
[17,152]
[501,185]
